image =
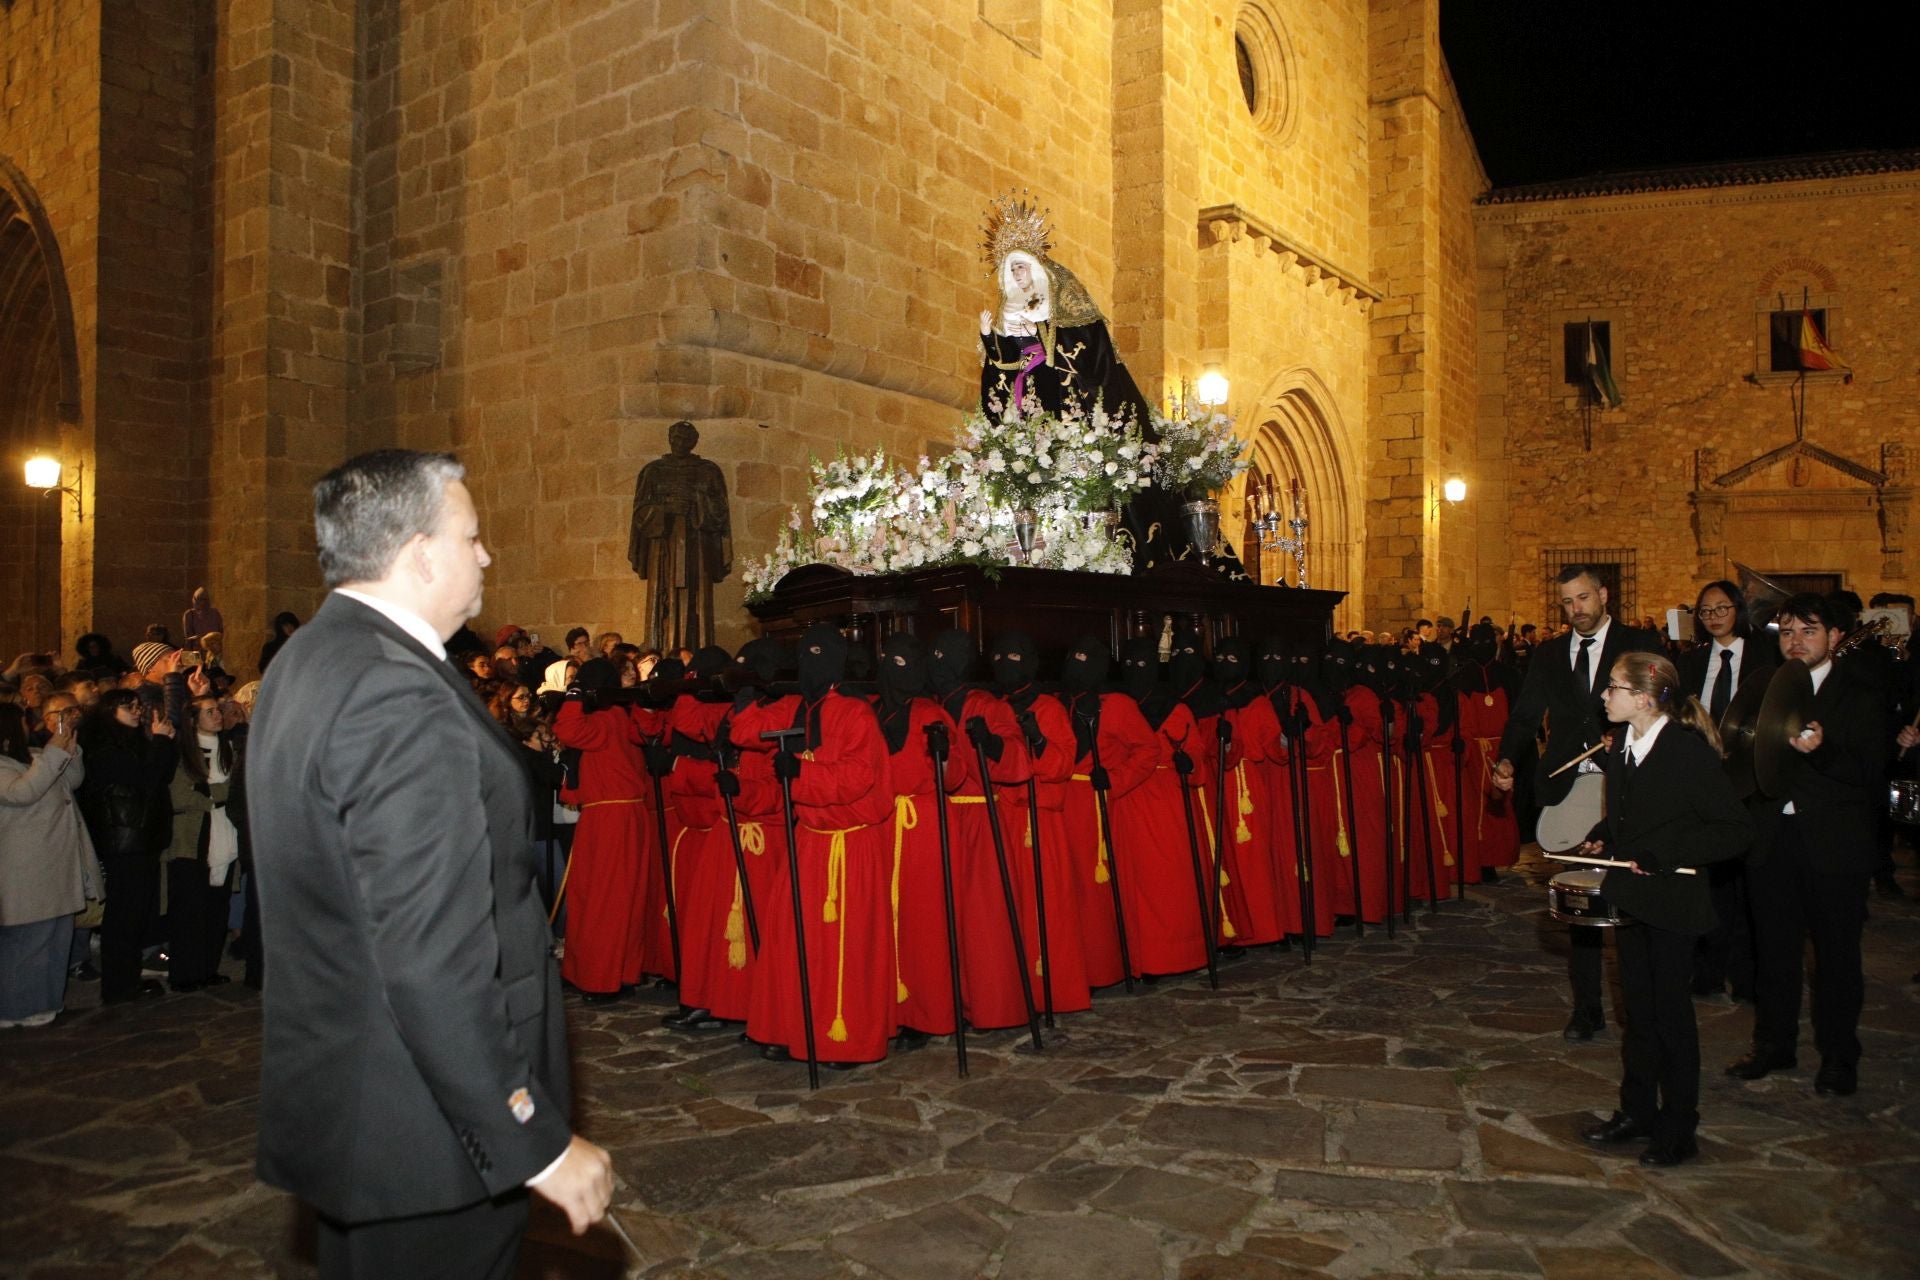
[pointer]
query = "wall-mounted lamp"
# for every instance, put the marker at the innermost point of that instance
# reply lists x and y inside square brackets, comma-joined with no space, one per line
[1454,490]
[1211,389]
[43,473]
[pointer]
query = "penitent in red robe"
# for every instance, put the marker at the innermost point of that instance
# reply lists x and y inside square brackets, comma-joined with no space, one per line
[923,976]
[613,875]
[1155,859]
[763,841]
[1431,793]
[1256,794]
[1328,821]
[1365,740]
[843,807]
[1129,753]
[1492,833]
[703,869]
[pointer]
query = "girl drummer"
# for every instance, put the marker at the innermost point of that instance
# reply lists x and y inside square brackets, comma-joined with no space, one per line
[1669,805]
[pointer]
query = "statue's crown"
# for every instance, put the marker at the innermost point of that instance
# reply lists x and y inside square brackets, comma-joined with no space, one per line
[1015,223]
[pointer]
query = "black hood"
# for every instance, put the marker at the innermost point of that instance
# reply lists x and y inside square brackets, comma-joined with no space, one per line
[822,660]
[1432,666]
[1088,665]
[903,677]
[596,674]
[762,657]
[1140,676]
[1482,644]
[1272,663]
[1336,665]
[1016,660]
[1230,665]
[710,661]
[950,660]
[1188,665]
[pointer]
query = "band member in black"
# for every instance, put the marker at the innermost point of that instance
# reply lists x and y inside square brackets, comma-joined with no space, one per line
[1815,852]
[1562,687]
[1669,806]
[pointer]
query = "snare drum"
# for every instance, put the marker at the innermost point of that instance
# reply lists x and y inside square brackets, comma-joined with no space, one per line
[1574,897]
[1903,800]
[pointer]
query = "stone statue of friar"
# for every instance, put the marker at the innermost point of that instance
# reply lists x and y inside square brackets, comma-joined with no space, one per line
[682,540]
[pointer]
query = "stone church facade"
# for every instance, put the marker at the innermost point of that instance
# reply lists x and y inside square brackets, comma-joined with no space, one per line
[242,239]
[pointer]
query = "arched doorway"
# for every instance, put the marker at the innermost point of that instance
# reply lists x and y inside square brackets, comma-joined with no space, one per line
[1297,439]
[39,393]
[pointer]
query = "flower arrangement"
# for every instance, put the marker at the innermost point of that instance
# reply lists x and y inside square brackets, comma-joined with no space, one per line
[850,492]
[1198,452]
[1037,459]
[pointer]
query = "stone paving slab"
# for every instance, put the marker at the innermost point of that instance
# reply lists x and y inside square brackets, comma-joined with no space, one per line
[1402,1107]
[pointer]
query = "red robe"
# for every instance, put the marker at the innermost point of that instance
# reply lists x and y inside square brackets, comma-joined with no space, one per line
[1066,987]
[923,976]
[613,873]
[1368,812]
[1329,815]
[1492,833]
[1181,911]
[763,841]
[843,804]
[990,978]
[1157,884]
[1437,827]
[1129,753]
[713,948]
[1256,794]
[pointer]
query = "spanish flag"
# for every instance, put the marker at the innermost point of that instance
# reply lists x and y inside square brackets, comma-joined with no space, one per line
[1814,351]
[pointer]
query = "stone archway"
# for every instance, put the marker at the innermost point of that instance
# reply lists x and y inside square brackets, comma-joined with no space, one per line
[1297,435]
[39,394]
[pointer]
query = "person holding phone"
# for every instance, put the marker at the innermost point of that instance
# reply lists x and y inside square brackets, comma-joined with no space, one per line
[130,759]
[1669,806]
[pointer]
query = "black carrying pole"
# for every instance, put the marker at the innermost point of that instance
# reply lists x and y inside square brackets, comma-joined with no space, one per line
[1459,815]
[1113,865]
[720,750]
[1199,881]
[1223,734]
[1417,765]
[1040,901]
[666,869]
[937,748]
[781,738]
[1386,785]
[1297,784]
[1006,889]
[1353,829]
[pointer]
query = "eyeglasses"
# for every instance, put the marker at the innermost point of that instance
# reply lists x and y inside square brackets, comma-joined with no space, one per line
[1621,688]
[1714,611]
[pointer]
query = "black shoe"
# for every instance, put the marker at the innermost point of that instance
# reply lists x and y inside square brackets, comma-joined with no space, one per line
[1489,876]
[692,1020]
[1585,1024]
[1759,1062]
[1619,1129]
[1665,1155]
[601,997]
[910,1039]
[83,972]
[1836,1079]
[841,1066]
[147,990]
[775,1053]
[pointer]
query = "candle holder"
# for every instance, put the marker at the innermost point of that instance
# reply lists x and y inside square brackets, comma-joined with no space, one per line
[1267,523]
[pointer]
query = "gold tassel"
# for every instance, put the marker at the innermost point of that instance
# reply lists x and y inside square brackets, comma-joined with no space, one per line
[906,817]
[838,1031]
[1100,873]
[736,932]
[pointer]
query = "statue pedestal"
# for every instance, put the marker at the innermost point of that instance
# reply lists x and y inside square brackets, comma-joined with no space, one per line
[1054,607]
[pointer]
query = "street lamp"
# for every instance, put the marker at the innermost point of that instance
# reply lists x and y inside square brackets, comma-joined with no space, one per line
[43,473]
[1455,489]
[1211,389]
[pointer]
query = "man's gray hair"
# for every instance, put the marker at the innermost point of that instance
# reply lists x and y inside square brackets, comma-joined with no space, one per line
[367,508]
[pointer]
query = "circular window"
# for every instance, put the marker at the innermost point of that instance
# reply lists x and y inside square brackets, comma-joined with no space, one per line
[1263,58]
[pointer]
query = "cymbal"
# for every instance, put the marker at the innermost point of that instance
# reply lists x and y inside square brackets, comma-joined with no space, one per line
[1737,724]
[1784,712]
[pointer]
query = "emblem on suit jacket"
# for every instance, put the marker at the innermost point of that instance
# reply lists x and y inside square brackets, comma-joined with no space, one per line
[521,1104]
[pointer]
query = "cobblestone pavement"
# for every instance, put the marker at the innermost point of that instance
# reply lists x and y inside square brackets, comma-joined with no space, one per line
[1401,1107]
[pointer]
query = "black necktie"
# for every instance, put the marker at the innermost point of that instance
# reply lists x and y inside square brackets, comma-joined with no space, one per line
[1583,667]
[1722,687]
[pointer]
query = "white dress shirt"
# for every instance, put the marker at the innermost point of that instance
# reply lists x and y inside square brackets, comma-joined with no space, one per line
[1738,648]
[405,619]
[1637,748]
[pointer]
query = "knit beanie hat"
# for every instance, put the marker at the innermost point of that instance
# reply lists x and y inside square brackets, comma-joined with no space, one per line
[148,653]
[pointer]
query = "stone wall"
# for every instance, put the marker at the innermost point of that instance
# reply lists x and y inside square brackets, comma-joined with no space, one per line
[1686,280]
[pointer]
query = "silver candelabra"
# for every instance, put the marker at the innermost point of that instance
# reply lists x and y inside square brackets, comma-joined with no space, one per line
[1267,523]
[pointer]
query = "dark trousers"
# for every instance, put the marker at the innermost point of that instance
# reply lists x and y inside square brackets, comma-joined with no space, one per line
[479,1242]
[1724,955]
[1792,901]
[196,920]
[1586,968]
[1661,1048]
[250,945]
[133,899]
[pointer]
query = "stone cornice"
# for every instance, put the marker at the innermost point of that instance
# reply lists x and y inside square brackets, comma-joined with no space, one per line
[1223,223]
[1697,197]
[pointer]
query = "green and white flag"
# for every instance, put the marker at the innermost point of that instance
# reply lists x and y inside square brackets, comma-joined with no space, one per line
[1600,374]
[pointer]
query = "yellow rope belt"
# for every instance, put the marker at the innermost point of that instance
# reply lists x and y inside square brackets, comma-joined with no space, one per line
[1242,834]
[1219,867]
[1439,809]
[906,816]
[1101,851]
[966,799]
[595,804]
[830,913]
[1486,782]
[1400,778]
[1340,841]
[753,840]
[673,860]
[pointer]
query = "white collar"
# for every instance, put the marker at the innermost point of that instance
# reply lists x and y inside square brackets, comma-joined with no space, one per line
[1820,673]
[1637,748]
[1736,645]
[405,619]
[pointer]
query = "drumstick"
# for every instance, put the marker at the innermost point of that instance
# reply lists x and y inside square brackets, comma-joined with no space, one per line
[1595,749]
[1914,725]
[1608,862]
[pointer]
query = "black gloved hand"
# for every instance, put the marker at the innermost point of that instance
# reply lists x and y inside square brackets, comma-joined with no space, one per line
[1030,730]
[727,782]
[1182,762]
[690,747]
[1345,713]
[983,737]
[744,698]
[1100,778]
[659,759]
[938,743]
[786,766]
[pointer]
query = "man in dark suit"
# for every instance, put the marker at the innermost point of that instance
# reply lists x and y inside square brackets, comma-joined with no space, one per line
[1562,687]
[414,1068]
[1728,658]
[1815,852]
